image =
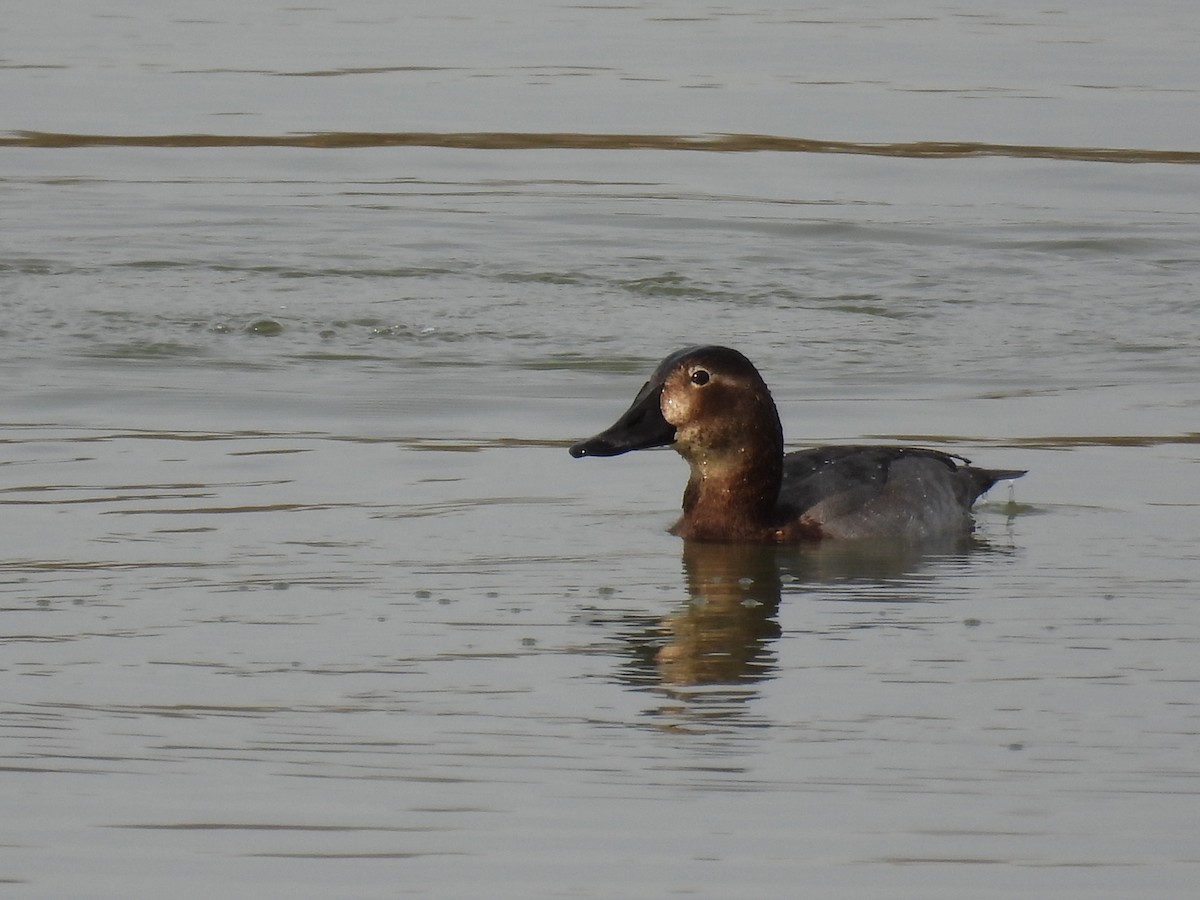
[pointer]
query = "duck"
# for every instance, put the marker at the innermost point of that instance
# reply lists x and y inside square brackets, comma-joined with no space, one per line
[713,407]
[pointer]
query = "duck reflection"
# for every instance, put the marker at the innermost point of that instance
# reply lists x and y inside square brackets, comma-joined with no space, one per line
[726,631]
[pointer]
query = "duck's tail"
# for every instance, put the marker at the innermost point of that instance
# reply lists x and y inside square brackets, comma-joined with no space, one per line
[982,480]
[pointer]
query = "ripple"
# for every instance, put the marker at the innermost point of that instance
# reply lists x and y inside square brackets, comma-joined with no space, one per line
[502,140]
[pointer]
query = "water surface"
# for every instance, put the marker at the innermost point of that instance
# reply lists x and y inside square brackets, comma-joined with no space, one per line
[302,595]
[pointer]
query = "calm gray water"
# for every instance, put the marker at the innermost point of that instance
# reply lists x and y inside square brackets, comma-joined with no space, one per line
[302,595]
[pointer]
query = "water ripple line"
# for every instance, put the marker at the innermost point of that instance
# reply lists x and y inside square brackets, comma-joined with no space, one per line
[493,140]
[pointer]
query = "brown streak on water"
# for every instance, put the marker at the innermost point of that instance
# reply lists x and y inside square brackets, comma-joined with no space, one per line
[491,140]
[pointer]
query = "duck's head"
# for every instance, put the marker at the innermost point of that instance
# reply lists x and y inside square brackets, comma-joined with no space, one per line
[708,402]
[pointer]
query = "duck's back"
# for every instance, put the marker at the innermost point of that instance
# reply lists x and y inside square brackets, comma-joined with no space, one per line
[910,493]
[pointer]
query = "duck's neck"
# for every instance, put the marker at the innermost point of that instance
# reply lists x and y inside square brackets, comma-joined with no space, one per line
[732,495]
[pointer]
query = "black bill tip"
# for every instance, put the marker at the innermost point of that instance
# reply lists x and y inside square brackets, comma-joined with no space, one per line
[594,447]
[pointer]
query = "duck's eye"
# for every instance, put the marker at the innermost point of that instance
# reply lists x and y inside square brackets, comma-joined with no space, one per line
[700,376]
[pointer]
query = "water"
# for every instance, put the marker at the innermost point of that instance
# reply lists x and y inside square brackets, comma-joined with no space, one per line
[303,596]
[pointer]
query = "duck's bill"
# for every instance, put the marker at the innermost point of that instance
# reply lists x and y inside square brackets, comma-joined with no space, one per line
[641,427]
